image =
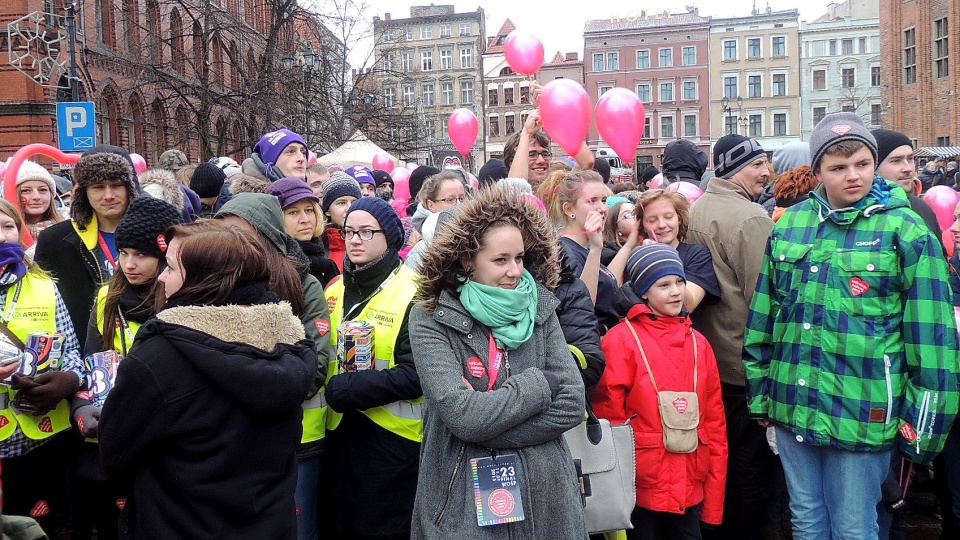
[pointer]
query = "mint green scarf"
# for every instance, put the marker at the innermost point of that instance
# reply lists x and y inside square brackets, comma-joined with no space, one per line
[509,313]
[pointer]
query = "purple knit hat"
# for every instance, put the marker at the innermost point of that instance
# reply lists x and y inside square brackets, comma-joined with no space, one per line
[272,144]
[290,191]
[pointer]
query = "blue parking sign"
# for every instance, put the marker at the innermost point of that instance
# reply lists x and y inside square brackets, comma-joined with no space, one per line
[76,126]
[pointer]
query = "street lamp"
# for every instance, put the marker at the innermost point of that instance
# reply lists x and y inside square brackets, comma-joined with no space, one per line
[287,61]
[728,111]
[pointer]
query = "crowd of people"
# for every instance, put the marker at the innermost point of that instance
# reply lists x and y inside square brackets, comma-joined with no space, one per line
[274,349]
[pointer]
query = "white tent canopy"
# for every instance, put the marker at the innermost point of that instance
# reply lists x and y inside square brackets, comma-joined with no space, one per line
[358,150]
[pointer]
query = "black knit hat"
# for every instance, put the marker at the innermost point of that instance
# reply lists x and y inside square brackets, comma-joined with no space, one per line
[889,140]
[418,177]
[207,180]
[647,173]
[145,221]
[381,177]
[733,153]
[385,215]
[492,171]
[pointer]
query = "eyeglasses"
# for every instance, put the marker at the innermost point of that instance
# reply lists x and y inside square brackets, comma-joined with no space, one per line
[364,234]
[545,154]
[628,215]
[451,200]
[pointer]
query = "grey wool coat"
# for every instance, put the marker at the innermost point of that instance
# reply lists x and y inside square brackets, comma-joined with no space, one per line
[516,417]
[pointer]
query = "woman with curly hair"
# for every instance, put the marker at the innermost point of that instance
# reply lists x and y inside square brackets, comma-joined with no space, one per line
[500,384]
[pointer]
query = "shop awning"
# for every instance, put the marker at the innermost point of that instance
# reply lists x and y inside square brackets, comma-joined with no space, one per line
[939,151]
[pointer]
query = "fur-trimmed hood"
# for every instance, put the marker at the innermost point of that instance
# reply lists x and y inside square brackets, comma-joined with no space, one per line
[257,354]
[162,184]
[244,183]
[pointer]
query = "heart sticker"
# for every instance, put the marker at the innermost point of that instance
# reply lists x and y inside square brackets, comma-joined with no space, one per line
[476,367]
[841,129]
[81,424]
[40,509]
[858,286]
[46,425]
[907,432]
[4,421]
[680,404]
[323,326]
[121,503]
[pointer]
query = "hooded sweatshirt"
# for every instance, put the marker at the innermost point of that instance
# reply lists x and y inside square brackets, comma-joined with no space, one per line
[205,421]
[685,161]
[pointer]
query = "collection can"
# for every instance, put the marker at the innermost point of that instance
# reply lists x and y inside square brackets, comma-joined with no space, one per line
[37,358]
[355,346]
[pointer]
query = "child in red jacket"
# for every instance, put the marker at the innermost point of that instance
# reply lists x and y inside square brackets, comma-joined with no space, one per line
[662,377]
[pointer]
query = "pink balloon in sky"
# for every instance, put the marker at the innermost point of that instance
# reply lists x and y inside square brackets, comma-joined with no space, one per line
[401,183]
[620,120]
[383,161]
[463,128]
[524,52]
[565,111]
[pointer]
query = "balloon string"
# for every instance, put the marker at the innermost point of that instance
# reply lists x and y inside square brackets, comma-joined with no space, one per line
[643,224]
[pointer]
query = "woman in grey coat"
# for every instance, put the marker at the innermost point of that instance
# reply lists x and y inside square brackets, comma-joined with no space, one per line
[500,383]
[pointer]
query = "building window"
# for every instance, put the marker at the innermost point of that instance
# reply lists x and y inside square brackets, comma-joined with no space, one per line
[943,141]
[408,34]
[779,46]
[729,49]
[910,56]
[690,125]
[604,89]
[666,127]
[466,92]
[643,92]
[689,56]
[941,48]
[524,95]
[446,59]
[494,126]
[862,42]
[779,124]
[408,95]
[598,61]
[643,59]
[756,125]
[847,77]
[666,57]
[426,60]
[426,32]
[508,125]
[493,96]
[779,84]
[390,96]
[820,79]
[833,47]
[875,76]
[666,91]
[388,62]
[753,86]
[508,95]
[406,62]
[427,95]
[753,48]
[846,46]
[875,114]
[818,114]
[730,124]
[444,30]
[466,58]
[388,36]
[464,29]
[613,61]
[848,108]
[646,127]
[689,90]
[446,93]
[730,87]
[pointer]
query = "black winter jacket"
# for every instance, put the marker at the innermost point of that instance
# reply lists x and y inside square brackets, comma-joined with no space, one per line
[579,323]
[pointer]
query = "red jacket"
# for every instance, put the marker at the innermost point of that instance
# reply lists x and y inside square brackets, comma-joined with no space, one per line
[336,246]
[666,482]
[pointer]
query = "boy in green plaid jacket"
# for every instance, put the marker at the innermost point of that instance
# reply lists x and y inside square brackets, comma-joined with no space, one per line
[851,345]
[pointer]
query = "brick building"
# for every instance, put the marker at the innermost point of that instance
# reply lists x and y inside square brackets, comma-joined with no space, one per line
[152,68]
[920,82]
[664,58]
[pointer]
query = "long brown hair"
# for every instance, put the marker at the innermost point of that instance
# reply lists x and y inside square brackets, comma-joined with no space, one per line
[680,204]
[111,306]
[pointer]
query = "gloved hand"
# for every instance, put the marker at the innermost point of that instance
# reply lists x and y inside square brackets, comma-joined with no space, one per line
[554,383]
[88,418]
[44,392]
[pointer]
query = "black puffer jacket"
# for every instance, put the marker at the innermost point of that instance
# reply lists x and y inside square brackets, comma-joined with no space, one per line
[579,323]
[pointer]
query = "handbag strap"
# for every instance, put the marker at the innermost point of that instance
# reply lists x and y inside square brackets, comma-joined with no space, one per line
[647,363]
[5,330]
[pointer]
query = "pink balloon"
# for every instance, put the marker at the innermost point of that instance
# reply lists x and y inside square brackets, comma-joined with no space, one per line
[311,157]
[3,168]
[411,166]
[383,161]
[473,181]
[399,206]
[463,128]
[139,164]
[565,110]
[688,190]
[943,200]
[656,181]
[619,117]
[401,183]
[524,52]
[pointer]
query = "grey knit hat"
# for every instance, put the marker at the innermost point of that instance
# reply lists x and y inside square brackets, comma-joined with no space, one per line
[340,184]
[791,156]
[837,127]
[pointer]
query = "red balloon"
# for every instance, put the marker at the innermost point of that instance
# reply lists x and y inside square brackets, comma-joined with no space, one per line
[656,181]
[3,168]
[139,164]
[401,183]
[620,116]
[463,128]
[565,111]
[524,52]
[943,200]
[688,190]
[383,161]
[13,168]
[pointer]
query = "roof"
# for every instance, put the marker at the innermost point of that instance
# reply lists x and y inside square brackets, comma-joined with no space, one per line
[495,43]
[559,59]
[644,21]
[938,151]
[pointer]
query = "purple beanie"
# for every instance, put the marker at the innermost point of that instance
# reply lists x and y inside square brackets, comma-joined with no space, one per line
[290,191]
[272,144]
[362,175]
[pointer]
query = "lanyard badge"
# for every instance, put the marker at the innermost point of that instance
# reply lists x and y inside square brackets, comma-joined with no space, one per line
[496,483]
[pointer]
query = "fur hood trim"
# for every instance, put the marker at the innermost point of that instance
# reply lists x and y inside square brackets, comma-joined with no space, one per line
[262,326]
[244,183]
[166,186]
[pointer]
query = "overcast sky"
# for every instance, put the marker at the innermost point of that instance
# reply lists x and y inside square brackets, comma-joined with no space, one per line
[561,28]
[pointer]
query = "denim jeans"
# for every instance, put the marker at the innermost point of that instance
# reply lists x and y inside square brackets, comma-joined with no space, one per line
[308,484]
[833,493]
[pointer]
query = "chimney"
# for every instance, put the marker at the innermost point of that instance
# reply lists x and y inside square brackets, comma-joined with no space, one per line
[386,16]
[573,56]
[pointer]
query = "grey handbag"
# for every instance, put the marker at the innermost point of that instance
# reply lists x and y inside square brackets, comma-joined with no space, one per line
[606,462]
